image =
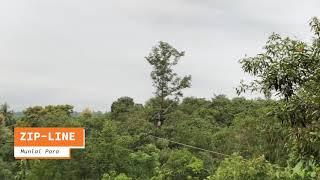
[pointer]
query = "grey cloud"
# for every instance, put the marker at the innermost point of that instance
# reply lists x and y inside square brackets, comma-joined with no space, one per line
[88,53]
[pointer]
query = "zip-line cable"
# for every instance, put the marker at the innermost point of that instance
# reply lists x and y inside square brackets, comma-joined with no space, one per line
[206,150]
[182,144]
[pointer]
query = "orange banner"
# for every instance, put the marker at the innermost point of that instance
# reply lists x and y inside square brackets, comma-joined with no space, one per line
[62,137]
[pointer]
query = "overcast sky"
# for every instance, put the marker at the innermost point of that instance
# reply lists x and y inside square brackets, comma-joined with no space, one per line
[89,53]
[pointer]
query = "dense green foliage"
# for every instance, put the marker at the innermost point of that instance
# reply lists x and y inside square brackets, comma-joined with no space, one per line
[217,138]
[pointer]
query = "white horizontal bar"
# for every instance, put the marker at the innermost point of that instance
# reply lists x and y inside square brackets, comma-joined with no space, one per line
[41,152]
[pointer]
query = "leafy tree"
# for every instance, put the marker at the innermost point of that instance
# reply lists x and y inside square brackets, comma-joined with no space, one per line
[238,168]
[6,115]
[166,82]
[181,164]
[114,176]
[123,105]
[191,104]
[144,162]
[7,162]
[289,69]
[86,113]
[46,116]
